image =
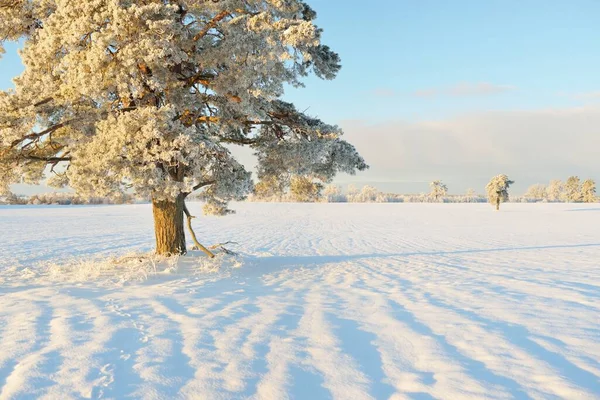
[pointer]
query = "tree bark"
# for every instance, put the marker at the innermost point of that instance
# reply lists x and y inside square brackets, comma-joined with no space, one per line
[168,226]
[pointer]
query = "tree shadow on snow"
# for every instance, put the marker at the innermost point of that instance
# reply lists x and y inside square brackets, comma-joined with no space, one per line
[521,337]
[274,263]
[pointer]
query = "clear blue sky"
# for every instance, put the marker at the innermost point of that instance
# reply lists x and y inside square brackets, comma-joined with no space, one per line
[546,49]
[409,63]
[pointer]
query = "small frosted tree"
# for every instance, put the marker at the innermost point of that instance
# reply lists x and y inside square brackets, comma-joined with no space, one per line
[537,192]
[438,190]
[352,194]
[573,189]
[144,96]
[332,193]
[470,196]
[555,190]
[588,191]
[383,197]
[368,194]
[497,190]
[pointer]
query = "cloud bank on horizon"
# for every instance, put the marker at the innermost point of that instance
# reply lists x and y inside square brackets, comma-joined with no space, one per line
[531,146]
[461,89]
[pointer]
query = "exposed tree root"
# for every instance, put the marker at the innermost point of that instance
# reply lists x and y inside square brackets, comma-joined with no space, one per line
[197,244]
[223,249]
[220,245]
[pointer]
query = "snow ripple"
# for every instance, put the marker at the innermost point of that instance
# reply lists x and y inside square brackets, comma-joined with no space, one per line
[340,301]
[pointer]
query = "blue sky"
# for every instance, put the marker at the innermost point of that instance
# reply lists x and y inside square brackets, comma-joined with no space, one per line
[545,50]
[411,68]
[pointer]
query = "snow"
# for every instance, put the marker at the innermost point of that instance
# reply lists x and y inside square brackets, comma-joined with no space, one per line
[345,301]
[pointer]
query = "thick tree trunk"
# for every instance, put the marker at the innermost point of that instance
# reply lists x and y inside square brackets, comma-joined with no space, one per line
[169,227]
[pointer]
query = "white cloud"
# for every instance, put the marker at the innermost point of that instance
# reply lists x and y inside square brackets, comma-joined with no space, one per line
[383,92]
[464,89]
[478,89]
[587,95]
[426,93]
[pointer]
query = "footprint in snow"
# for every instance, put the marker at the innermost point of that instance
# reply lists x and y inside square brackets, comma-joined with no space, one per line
[107,377]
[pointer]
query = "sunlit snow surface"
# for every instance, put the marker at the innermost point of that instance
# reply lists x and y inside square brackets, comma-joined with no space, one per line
[345,301]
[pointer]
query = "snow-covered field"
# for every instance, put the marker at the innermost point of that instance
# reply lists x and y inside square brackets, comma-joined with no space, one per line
[345,301]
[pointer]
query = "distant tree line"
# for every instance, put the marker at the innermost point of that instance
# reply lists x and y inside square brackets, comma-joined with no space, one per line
[304,189]
[66,198]
[573,190]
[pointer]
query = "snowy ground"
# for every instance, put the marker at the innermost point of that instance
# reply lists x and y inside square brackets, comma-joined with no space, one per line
[345,301]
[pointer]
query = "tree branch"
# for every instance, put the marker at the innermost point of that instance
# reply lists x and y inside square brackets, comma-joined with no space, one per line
[211,24]
[243,141]
[50,160]
[45,101]
[37,135]
[203,184]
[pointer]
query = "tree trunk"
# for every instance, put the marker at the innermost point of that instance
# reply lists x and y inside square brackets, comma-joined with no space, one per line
[168,226]
[498,203]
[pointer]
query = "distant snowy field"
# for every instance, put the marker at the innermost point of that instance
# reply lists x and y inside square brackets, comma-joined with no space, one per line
[344,301]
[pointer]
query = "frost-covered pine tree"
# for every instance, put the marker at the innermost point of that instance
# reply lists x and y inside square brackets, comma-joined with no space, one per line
[438,190]
[471,195]
[352,194]
[368,194]
[497,190]
[332,193]
[537,192]
[143,96]
[573,189]
[588,191]
[555,190]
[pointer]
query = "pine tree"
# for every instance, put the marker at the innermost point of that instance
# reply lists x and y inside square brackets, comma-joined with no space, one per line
[537,192]
[555,190]
[470,195]
[353,194]
[588,191]
[573,189]
[332,193]
[497,190]
[438,190]
[368,194]
[144,96]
